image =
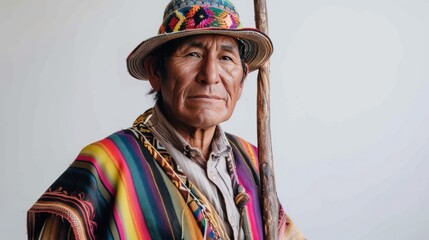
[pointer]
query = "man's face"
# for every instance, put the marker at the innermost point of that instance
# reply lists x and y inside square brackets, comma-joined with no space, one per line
[203,82]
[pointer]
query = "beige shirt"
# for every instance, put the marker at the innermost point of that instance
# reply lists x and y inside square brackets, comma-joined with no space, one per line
[210,176]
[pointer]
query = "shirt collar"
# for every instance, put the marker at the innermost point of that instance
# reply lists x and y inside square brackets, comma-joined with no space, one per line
[160,123]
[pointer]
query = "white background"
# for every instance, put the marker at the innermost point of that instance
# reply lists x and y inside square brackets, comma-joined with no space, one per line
[350,96]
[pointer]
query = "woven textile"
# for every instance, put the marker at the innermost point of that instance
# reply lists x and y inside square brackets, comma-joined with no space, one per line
[199,17]
[121,188]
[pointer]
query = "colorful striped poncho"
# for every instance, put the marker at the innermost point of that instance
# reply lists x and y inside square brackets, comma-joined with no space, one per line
[123,187]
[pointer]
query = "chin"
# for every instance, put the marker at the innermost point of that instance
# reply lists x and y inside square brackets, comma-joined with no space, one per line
[199,120]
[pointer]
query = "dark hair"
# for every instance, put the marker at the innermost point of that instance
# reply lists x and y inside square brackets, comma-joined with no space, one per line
[164,51]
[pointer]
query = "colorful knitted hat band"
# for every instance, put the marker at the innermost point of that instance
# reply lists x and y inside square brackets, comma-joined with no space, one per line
[196,17]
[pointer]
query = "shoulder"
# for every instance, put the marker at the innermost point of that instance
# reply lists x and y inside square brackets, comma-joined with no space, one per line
[243,149]
[110,156]
[118,141]
[239,142]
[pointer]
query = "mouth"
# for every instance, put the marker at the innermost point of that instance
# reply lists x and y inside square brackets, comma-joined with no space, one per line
[205,97]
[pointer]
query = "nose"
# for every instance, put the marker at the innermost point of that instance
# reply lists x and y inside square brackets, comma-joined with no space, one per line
[209,70]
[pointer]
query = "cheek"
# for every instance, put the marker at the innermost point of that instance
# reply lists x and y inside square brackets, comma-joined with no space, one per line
[174,87]
[234,84]
[240,89]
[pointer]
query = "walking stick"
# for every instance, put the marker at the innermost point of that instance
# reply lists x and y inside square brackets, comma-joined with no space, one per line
[269,194]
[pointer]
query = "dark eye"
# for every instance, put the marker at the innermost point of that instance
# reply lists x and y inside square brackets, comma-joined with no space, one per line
[227,58]
[193,54]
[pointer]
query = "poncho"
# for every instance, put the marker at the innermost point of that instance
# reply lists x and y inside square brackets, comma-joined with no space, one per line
[125,187]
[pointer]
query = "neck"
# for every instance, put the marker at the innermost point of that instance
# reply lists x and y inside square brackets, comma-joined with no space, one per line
[198,137]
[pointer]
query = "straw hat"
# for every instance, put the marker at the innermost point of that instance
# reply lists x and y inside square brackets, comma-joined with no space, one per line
[184,18]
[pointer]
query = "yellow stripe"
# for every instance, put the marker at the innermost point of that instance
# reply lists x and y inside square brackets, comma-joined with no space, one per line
[122,203]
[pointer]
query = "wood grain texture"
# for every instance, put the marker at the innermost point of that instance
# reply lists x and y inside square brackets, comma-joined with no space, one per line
[266,166]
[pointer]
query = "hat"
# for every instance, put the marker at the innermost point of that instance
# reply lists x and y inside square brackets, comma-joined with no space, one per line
[184,18]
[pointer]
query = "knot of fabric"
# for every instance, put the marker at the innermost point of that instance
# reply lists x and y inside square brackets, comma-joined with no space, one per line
[241,199]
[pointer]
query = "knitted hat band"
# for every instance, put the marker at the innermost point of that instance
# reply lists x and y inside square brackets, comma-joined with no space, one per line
[197,17]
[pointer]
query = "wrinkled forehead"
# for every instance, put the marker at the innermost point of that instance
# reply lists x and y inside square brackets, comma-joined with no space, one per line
[207,41]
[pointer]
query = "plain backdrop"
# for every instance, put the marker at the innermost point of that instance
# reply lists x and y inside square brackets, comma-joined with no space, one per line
[349,105]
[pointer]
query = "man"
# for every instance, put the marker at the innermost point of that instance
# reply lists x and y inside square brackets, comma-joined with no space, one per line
[175,174]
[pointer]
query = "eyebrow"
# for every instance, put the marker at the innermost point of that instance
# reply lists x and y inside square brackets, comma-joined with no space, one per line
[226,47]
[229,47]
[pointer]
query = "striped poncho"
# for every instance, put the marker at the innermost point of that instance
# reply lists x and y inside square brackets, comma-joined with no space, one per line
[124,187]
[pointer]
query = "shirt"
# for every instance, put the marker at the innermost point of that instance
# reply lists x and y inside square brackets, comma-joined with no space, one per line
[210,176]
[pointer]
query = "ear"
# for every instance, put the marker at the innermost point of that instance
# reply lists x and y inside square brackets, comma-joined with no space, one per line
[245,72]
[149,63]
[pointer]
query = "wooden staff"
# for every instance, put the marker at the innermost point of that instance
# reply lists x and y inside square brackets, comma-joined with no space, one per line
[269,194]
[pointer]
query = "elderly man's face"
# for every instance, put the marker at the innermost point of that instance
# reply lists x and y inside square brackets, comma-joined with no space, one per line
[203,82]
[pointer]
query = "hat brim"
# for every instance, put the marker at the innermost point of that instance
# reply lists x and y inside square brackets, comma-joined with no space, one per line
[258,47]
